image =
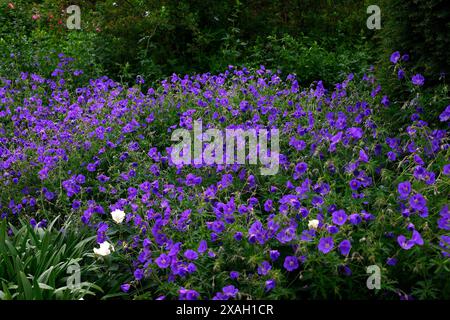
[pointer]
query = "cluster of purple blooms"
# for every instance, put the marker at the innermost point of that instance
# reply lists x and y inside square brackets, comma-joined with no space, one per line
[105,147]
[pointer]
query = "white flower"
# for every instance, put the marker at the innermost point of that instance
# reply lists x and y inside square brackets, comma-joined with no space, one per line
[118,215]
[313,224]
[105,249]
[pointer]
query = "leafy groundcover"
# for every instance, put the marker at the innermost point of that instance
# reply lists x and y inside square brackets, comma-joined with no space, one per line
[88,181]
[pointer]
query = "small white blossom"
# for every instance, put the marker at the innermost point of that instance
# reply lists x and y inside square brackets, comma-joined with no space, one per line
[313,224]
[118,215]
[105,249]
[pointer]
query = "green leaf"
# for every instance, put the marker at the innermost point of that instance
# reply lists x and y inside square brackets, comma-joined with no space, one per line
[25,286]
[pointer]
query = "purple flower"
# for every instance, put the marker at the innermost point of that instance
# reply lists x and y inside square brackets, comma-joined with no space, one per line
[326,244]
[429,178]
[417,202]
[101,232]
[102,178]
[363,157]
[391,156]
[163,261]
[190,254]
[192,180]
[395,57]
[418,80]
[417,238]
[344,247]
[286,235]
[355,132]
[391,261]
[418,160]
[404,243]
[446,169]
[367,216]
[216,226]
[138,274]
[354,184]
[257,233]
[230,291]
[186,294]
[419,171]
[404,189]
[339,217]
[268,205]
[445,116]
[317,201]
[354,219]
[444,221]
[33,223]
[234,275]
[226,181]
[91,167]
[300,169]
[445,245]
[274,254]
[203,246]
[125,287]
[345,270]
[264,268]
[333,229]
[290,263]
[270,284]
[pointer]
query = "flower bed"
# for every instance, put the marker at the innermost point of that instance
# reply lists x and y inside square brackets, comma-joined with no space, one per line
[348,194]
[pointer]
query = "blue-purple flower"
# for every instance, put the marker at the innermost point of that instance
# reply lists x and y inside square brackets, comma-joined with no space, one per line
[395,57]
[326,244]
[418,80]
[404,189]
[290,263]
[339,217]
[344,247]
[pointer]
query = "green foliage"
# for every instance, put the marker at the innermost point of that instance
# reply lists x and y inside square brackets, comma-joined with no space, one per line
[34,262]
[405,100]
[420,28]
[28,45]
[155,39]
[309,59]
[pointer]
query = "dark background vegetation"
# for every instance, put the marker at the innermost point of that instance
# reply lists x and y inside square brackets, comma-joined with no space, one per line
[316,39]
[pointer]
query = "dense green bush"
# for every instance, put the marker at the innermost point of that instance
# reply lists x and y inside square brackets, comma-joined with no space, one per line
[315,39]
[309,59]
[33,35]
[421,28]
[156,38]
[431,102]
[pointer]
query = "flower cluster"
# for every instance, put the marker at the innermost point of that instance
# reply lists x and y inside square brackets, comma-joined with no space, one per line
[347,190]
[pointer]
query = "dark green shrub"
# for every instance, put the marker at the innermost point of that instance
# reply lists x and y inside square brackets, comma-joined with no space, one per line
[420,28]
